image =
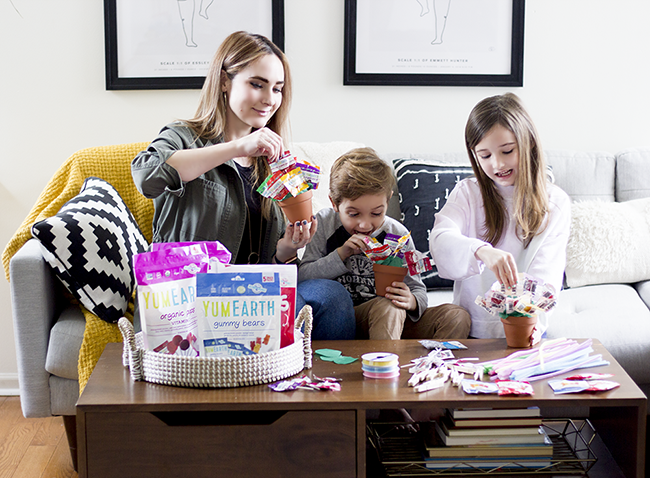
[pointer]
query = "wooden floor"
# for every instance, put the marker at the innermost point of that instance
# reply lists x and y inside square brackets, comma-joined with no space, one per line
[32,447]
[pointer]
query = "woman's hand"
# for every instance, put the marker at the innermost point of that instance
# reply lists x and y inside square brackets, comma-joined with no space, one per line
[263,142]
[352,246]
[296,236]
[400,295]
[501,263]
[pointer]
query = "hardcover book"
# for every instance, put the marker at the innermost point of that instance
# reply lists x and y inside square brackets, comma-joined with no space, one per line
[451,430]
[435,448]
[490,439]
[494,412]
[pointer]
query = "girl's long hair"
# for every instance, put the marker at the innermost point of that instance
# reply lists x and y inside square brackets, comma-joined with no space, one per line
[238,51]
[530,199]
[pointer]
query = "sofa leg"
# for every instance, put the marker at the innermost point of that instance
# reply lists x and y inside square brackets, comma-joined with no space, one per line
[70,424]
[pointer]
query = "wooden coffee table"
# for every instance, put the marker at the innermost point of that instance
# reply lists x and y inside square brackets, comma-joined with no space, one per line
[141,429]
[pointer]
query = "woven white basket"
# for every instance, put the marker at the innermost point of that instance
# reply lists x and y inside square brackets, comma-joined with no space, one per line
[218,372]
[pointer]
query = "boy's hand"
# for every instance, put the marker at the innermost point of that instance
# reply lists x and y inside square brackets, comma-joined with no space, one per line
[400,295]
[352,246]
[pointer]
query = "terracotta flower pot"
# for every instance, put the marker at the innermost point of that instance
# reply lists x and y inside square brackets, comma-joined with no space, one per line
[298,208]
[518,330]
[386,275]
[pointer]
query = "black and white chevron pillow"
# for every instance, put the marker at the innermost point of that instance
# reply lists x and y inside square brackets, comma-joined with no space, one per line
[90,244]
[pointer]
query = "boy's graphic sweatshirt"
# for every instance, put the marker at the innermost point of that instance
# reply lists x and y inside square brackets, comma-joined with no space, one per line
[322,261]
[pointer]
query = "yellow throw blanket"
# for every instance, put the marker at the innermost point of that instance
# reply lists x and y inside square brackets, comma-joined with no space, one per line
[113,164]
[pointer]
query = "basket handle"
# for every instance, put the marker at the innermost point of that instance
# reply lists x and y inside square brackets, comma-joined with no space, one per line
[305,316]
[131,355]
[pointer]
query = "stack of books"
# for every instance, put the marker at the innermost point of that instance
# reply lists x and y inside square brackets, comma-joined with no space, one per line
[488,438]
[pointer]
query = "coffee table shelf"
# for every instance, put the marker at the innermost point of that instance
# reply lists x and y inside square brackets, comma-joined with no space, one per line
[401,454]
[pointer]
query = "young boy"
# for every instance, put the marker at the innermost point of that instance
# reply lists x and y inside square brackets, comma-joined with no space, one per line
[361,185]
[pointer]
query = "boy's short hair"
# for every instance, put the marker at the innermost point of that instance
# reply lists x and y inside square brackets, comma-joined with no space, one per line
[360,172]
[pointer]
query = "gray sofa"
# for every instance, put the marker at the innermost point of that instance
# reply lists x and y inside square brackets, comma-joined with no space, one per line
[49,330]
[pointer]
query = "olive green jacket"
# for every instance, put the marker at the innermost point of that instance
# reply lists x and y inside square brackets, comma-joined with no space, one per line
[212,207]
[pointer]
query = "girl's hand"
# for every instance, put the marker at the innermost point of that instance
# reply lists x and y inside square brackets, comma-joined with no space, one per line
[501,263]
[535,337]
[296,236]
[263,142]
[352,246]
[400,295]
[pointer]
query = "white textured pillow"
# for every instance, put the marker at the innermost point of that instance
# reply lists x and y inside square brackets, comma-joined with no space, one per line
[609,243]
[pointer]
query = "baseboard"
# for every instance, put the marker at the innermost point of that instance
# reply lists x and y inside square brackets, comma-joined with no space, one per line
[9,384]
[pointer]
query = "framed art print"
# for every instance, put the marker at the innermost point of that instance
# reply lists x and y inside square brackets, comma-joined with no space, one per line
[434,42]
[153,44]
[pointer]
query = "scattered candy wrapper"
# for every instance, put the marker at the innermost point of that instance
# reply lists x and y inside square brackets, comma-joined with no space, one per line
[289,178]
[449,345]
[576,386]
[510,387]
[474,387]
[528,297]
[322,384]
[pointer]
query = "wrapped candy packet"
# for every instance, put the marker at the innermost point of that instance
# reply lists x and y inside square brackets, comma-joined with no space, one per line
[378,254]
[390,253]
[272,187]
[528,297]
[294,181]
[575,386]
[284,162]
[289,177]
[475,386]
[417,262]
[511,387]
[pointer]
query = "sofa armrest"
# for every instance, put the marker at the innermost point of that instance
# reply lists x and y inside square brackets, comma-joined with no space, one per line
[643,288]
[35,310]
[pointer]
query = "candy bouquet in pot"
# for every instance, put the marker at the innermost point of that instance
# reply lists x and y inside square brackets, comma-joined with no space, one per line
[193,303]
[390,263]
[519,306]
[291,183]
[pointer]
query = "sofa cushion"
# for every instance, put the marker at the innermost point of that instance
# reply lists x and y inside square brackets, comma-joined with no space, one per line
[423,191]
[632,174]
[612,313]
[89,244]
[584,176]
[608,243]
[65,341]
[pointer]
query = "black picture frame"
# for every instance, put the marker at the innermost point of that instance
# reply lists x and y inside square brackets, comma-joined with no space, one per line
[512,79]
[115,82]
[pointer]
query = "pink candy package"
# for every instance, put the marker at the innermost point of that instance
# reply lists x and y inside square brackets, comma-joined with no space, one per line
[166,287]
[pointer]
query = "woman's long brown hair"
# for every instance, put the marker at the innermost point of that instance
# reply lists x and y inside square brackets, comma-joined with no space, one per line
[238,51]
[530,198]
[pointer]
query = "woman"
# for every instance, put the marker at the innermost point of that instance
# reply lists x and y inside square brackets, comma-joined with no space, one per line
[203,173]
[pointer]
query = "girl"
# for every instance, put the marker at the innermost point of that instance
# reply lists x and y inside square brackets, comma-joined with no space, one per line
[505,220]
[203,173]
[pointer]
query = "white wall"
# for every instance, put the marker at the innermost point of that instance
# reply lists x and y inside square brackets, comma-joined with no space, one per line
[585,84]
